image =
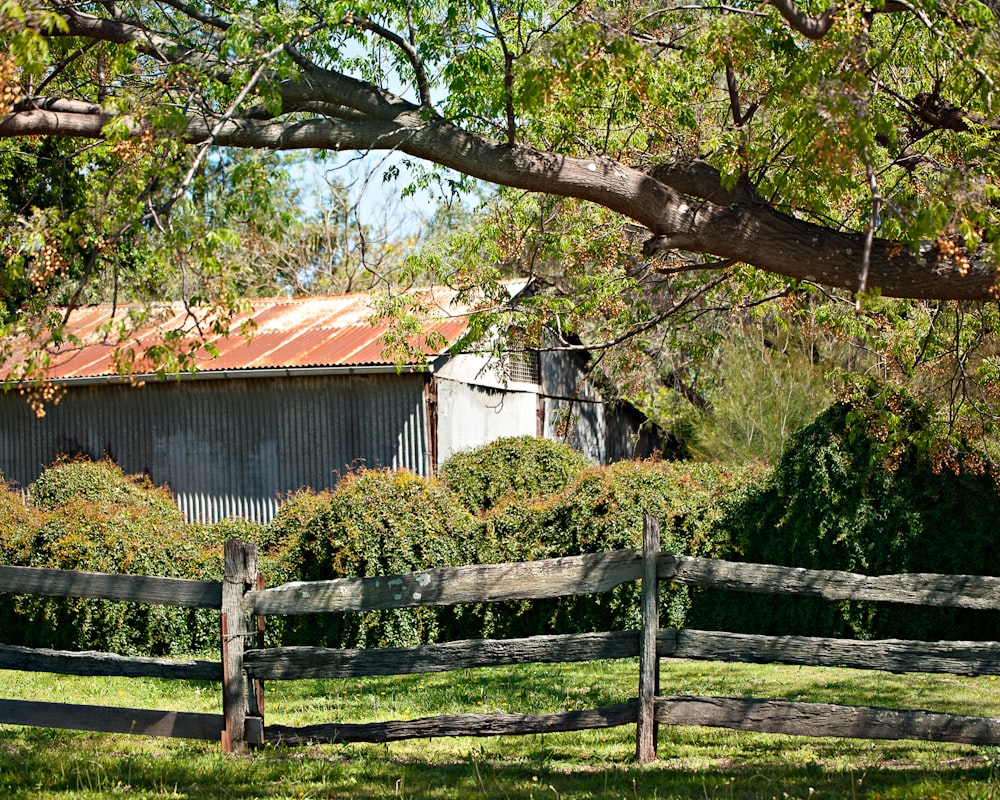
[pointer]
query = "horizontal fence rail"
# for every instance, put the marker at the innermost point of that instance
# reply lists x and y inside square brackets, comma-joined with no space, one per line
[294,663]
[887,655]
[29,659]
[456,725]
[481,583]
[573,575]
[826,719]
[241,597]
[110,719]
[104,586]
[958,591]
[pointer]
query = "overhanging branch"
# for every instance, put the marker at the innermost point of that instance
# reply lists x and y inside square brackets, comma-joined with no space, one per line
[812,27]
[684,206]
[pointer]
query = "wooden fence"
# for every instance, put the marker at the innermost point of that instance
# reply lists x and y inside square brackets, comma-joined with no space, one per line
[130,588]
[242,602]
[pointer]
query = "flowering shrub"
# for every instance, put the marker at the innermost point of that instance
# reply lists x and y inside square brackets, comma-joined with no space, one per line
[375,522]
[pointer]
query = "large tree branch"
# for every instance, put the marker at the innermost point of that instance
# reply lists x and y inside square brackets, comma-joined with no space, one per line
[937,112]
[817,26]
[744,230]
[41,122]
[144,40]
[684,206]
[326,86]
[811,27]
[116,32]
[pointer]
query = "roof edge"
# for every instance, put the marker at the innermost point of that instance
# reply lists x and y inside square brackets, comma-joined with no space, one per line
[246,374]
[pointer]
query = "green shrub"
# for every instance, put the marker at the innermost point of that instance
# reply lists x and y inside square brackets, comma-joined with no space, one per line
[376,522]
[18,524]
[92,517]
[523,466]
[99,536]
[866,488]
[603,509]
[101,481]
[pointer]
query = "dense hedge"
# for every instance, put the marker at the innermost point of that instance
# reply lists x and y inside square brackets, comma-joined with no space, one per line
[376,522]
[382,522]
[92,517]
[522,466]
[602,509]
[865,488]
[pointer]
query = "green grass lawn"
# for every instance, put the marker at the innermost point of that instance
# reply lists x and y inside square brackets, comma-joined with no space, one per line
[694,762]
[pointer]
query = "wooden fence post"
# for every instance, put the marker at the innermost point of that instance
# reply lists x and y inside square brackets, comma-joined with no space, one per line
[240,571]
[649,663]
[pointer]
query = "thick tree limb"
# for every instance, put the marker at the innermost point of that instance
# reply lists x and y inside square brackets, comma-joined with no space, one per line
[818,26]
[933,109]
[58,123]
[326,86]
[811,27]
[684,206]
[116,32]
[144,40]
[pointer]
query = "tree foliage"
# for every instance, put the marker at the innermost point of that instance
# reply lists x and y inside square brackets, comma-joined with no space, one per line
[655,162]
[831,148]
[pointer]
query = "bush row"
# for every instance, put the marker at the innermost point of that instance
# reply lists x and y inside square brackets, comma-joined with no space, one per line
[864,488]
[93,517]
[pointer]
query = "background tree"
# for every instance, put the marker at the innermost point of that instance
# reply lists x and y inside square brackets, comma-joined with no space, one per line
[753,149]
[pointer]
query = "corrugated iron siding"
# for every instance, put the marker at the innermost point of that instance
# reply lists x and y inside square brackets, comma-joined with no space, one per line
[227,447]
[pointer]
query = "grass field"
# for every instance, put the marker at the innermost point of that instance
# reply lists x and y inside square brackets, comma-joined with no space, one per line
[694,762]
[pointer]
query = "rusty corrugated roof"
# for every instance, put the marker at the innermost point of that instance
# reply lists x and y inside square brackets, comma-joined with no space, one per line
[331,331]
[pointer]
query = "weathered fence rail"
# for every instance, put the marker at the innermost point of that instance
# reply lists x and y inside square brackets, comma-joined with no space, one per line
[240,598]
[959,591]
[105,719]
[102,586]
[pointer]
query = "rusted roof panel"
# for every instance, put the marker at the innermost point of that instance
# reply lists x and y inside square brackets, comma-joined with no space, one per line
[288,333]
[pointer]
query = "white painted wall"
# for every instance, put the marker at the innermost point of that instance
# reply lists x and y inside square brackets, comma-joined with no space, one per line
[470,415]
[476,405]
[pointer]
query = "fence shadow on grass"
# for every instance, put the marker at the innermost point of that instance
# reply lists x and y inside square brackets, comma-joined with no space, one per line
[38,763]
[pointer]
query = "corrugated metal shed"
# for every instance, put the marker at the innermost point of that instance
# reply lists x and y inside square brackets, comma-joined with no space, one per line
[231,446]
[306,397]
[285,334]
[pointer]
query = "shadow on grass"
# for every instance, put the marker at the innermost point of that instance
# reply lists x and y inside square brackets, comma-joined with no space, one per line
[48,764]
[524,689]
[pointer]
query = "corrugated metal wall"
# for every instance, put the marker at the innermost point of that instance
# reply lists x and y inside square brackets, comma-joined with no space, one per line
[227,447]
